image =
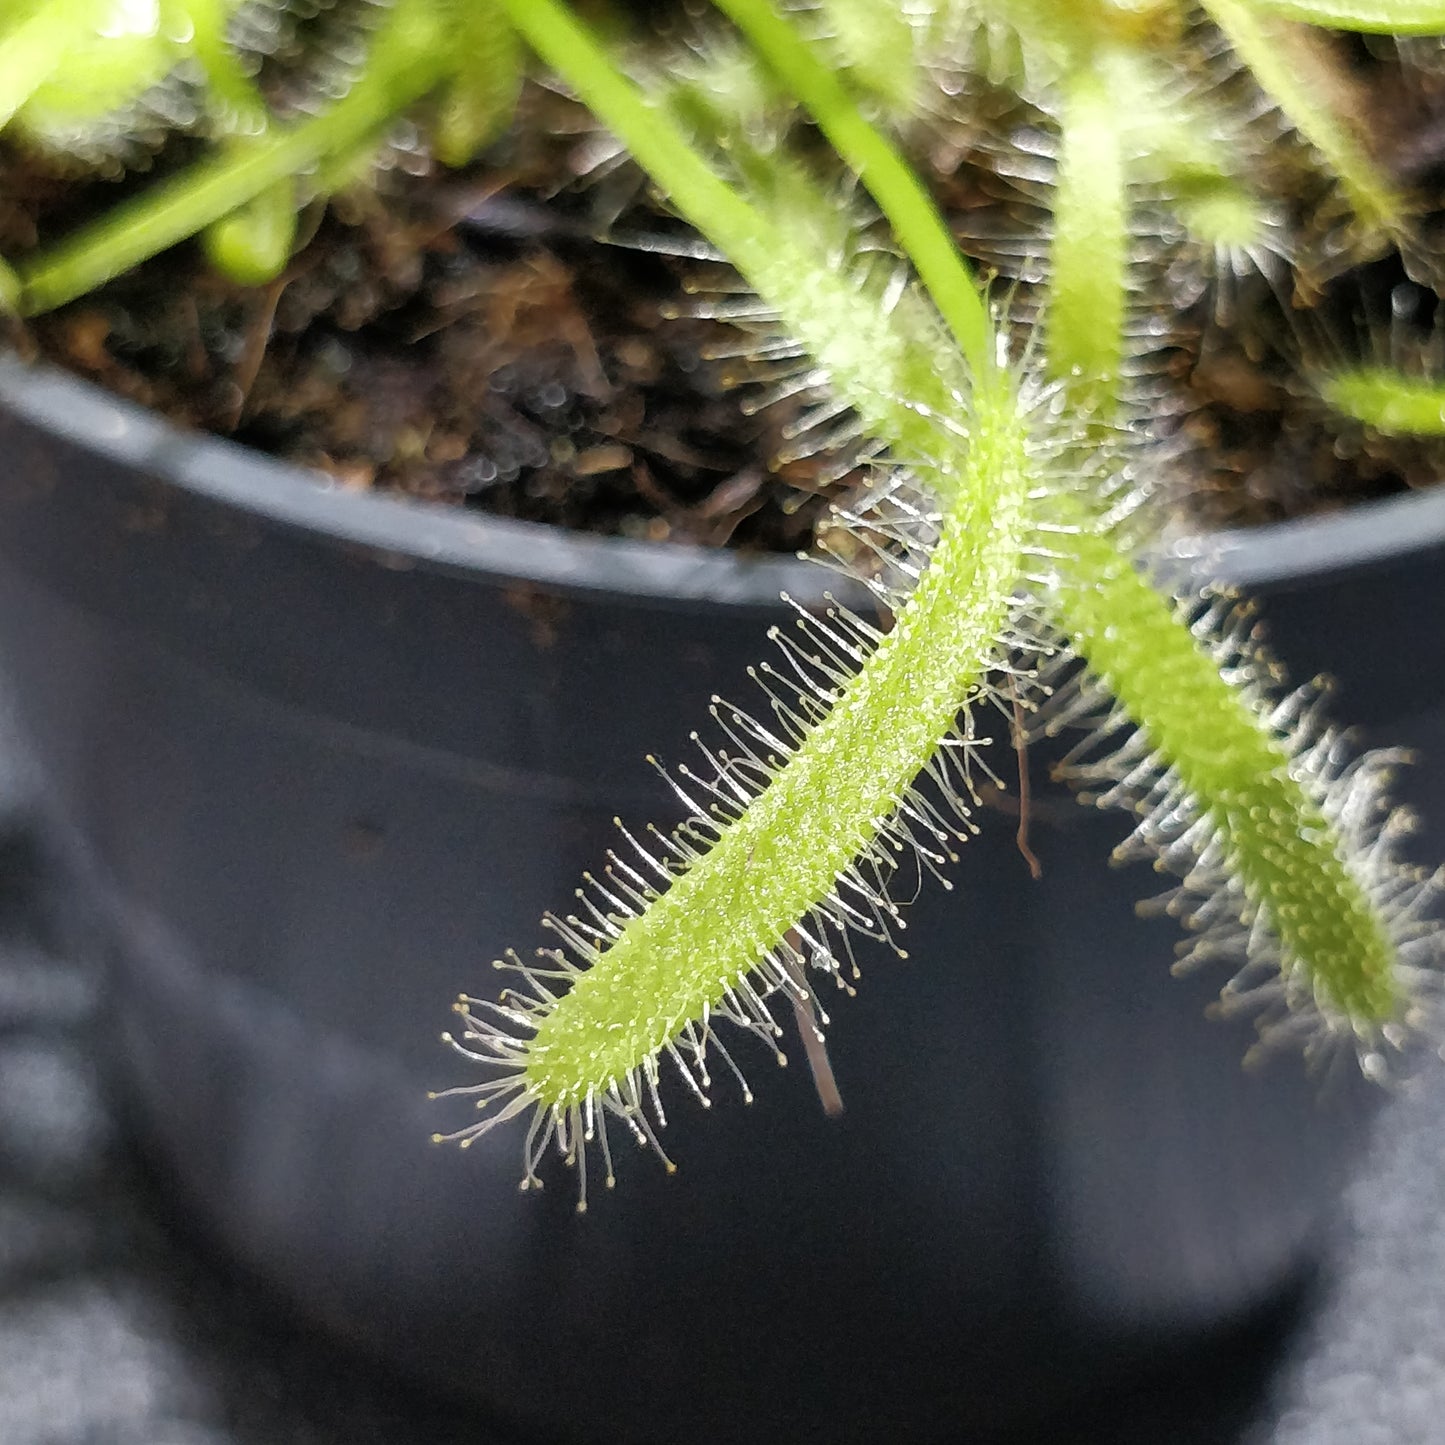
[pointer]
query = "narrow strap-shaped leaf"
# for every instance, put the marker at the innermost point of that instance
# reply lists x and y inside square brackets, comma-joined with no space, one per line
[826,805]
[1234,770]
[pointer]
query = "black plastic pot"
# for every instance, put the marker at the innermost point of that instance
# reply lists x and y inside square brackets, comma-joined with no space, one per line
[318,757]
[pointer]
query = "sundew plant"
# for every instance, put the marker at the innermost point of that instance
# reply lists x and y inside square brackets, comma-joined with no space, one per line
[1017,472]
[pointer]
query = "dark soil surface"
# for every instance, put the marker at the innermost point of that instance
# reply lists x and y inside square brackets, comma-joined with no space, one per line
[463,338]
[467,338]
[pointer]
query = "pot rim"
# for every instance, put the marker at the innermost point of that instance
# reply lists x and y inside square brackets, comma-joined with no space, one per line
[439,537]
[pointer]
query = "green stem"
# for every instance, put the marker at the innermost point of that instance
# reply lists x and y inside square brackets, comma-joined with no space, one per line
[409,57]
